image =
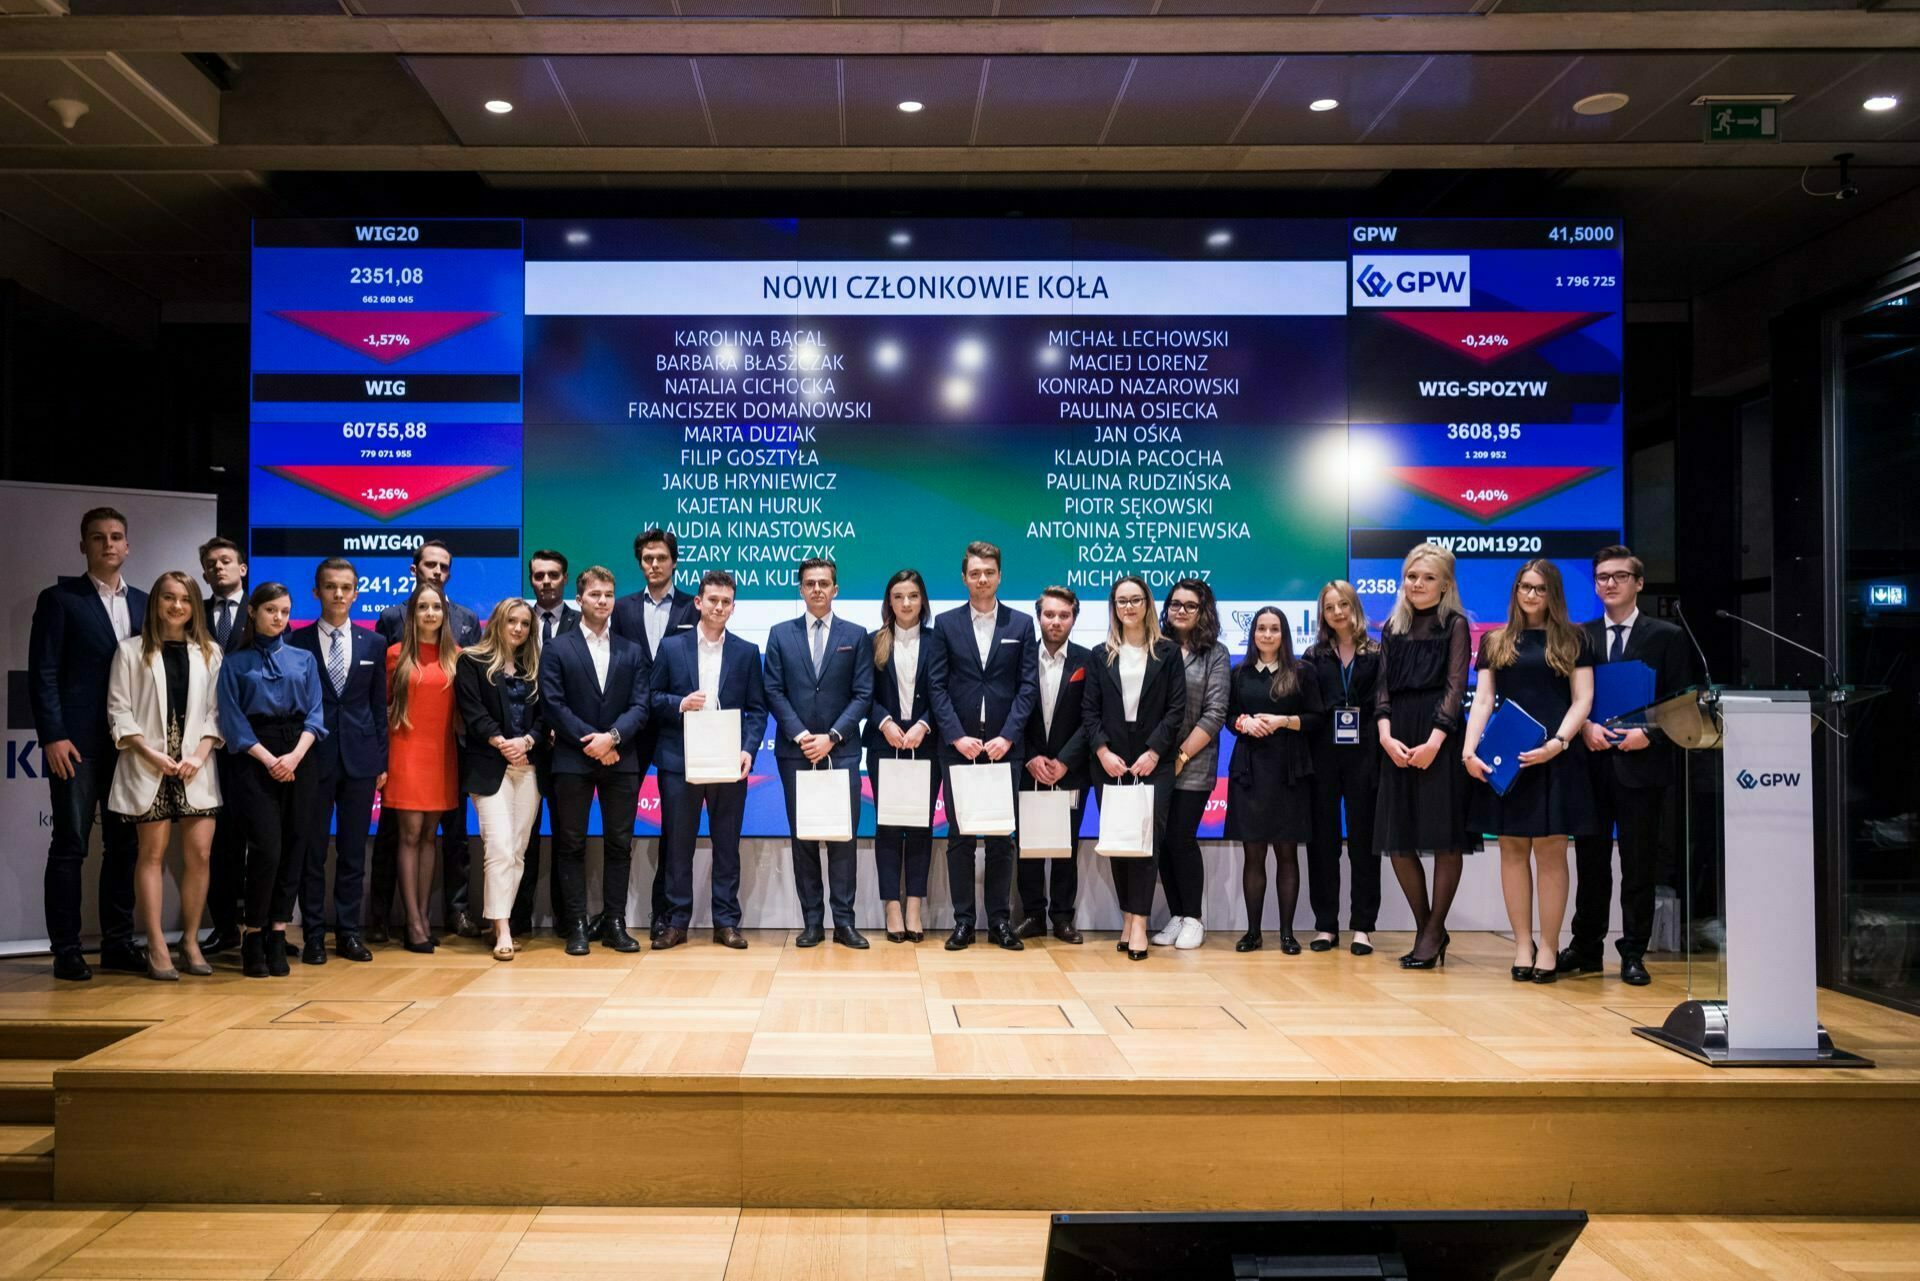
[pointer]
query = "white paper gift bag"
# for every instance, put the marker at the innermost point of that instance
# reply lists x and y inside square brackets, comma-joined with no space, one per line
[712,740]
[822,807]
[982,800]
[1046,824]
[905,796]
[1126,821]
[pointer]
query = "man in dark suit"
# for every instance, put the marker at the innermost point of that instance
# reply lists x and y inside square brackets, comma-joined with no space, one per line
[552,616]
[982,677]
[819,683]
[352,762]
[593,691]
[432,563]
[1633,773]
[225,572]
[78,623]
[708,668]
[649,617]
[1057,756]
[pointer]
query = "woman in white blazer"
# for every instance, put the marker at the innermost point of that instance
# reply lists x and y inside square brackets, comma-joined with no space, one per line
[160,710]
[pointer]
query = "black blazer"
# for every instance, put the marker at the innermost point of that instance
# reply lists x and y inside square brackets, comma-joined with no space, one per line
[1663,647]
[356,741]
[1068,741]
[462,623]
[573,705]
[483,714]
[957,682]
[886,706]
[629,619]
[834,701]
[70,650]
[1163,702]
[569,618]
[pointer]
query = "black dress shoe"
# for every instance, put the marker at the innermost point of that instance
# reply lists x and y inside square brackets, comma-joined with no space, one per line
[613,934]
[223,939]
[1545,976]
[669,936]
[960,939]
[277,954]
[123,959]
[1064,931]
[70,965]
[1633,971]
[812,936]
[1029,928]
[578,944]
[253,955]
[465,926]
[847,936]
[729,936]
[1324,945]
[348,947]
[377,932]
[655,930]
[916,936]
[1288,943]
[313,949]
[1003,935]
[1141,955]
[1570,963]
[1250,942]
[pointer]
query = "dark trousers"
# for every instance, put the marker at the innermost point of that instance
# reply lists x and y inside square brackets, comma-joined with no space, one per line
[229,853]
[960,854]
[1183,874]
[1037,876]
[73,804]
[455,864]
[345,803]
[572,803]
[275,814]
[1134,878]
[843,865]
[903,856]
[521,922]
[680,803]
[1641,814]
[1345,776]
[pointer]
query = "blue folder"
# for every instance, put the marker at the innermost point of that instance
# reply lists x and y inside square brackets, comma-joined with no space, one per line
[1510,731]
[1619,688]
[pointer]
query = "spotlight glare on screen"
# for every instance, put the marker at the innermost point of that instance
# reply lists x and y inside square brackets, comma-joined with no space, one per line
[888,355]
[727,356]
[957,392]
[969,354]
[1219,239]
[900,239]
[1048,356]
[578,237]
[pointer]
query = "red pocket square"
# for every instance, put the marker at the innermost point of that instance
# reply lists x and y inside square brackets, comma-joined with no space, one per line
[1079,674]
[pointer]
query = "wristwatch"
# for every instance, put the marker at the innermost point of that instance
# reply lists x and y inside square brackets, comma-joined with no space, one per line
[614,734]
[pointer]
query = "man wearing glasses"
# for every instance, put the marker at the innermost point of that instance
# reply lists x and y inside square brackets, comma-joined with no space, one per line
[1633,774]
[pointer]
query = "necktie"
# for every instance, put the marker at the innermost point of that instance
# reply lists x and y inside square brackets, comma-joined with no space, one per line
[1618,650]
[819,643]
[546,626]
[225,623]
[337,663]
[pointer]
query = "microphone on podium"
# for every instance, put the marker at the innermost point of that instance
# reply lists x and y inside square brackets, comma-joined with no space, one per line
[1832,674]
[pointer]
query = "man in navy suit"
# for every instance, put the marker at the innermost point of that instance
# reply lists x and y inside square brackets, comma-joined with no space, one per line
[432,563]
[649,617]
[819,683]
[982,679]
[552,616]
[225,572]
[593,691]
[78,623]
[1057,757]
[352,762]
[707,668]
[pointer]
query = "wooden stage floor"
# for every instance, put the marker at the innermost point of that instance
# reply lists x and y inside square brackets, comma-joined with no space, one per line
[914,1077]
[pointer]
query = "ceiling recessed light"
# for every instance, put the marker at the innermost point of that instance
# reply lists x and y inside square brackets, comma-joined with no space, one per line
[1323,104]
[910,106]
[499,106]
[1219,239]
[1600,104]
[1881,102]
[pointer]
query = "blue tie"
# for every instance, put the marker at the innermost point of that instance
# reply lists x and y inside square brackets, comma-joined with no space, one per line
[1618,650]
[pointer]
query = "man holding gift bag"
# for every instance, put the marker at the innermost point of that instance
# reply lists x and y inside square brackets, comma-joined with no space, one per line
[1056,752]
[706,682]
[819,683]
[983,679]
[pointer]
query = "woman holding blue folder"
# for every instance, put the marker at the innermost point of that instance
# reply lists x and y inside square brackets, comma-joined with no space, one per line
[1536,672]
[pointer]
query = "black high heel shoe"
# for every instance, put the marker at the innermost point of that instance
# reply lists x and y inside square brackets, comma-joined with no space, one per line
[1250,942]
[916,936]
[1436,961]
[1525,973]
[1288,943]
[896,936]
[1545,976]
[1121,946]
[1132,955]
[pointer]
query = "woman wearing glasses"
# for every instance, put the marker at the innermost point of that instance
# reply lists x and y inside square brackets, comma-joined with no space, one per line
[1135,701]
[1192,621]
[1542,663]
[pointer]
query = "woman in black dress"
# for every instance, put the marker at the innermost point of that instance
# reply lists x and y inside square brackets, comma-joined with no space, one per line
[1274,706]
[1540,662]
[1346,768]
[1422,810]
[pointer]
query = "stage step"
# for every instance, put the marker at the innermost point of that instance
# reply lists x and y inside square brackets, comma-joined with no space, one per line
[26,1091]
[62,1038]
[26,1162]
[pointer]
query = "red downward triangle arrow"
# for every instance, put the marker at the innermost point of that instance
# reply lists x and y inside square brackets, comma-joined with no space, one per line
[387,336]
[384,490]
[1487,336]
[1488,493]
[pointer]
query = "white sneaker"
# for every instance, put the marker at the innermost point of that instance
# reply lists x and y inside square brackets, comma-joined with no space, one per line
[1169,932]
[1192,934]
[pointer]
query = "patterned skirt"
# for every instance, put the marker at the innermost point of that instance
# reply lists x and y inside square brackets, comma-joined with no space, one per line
[170,802]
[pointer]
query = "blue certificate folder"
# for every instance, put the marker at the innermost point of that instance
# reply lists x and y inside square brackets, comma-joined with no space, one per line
[1619,688]
[1510,731]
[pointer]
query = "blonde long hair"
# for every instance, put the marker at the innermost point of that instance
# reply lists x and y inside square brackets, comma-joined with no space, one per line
[1501,648]
[1401,619]
[491,650]
[152,629]
[1362,642]
[1149,620]
[402,683]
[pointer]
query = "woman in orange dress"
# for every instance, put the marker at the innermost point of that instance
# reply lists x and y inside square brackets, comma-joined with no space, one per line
[423,780]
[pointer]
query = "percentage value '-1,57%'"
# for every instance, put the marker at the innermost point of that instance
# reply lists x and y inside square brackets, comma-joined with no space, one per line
[386,340]
[1484,496]
[1485,340]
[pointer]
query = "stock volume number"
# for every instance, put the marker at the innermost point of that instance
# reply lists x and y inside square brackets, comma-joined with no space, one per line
[1376,586]
[1586,282]
[386,584]
[1483,431]
[383,431]
[386,275]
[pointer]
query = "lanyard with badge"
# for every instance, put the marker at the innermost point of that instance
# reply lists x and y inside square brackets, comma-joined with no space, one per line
[1346,717]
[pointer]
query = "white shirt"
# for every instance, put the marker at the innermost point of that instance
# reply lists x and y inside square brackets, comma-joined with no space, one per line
[115,599]
[540,616]
[236,611]
[327,632]
[710,653]
[1626,637]
[600,649]
[983,639]
[1133,673]
[906,669]
[653,613]
[1053,668]
[825,623]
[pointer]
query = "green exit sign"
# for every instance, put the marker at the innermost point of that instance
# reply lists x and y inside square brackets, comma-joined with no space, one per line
[1742,122]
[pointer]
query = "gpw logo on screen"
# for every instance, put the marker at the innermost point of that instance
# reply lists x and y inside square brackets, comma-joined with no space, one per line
[1413,280]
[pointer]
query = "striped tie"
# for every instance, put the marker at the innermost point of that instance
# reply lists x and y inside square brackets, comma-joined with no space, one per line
[337,663]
